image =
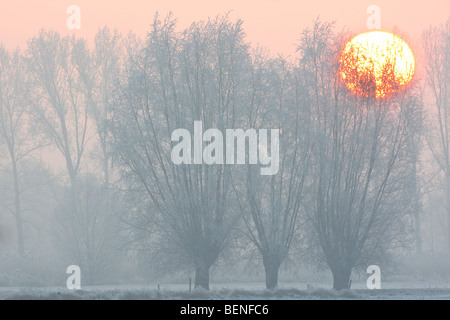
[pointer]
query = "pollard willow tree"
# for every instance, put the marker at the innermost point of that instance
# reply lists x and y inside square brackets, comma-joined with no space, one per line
[271,205]
[199,74]
[359,207]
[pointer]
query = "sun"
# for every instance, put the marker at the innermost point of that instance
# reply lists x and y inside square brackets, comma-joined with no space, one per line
[376,64]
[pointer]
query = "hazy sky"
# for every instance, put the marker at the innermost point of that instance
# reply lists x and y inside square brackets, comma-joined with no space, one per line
[275,24]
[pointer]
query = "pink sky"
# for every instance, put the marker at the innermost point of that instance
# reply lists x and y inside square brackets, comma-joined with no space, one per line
[275,24]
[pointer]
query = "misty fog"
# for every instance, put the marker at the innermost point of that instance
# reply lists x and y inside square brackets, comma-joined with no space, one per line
[87,175]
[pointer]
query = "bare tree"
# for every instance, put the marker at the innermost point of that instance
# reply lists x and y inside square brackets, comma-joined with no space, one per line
[361,168]
[437,52]
[89,236]
[14,121]
[35,197]
[99,69]
[57,100]
[179,78]
[272,204]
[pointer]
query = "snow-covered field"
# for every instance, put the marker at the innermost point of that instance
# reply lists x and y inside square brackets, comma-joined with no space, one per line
[238,291]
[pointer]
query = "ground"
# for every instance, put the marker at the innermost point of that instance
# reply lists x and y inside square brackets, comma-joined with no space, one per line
[238,291]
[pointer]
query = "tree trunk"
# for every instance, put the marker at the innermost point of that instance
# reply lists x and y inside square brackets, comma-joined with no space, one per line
[341,279]
[418,236]
[106,171]
[271,267]
[416,199]
[18,213]
[447,205]
[202,277]
[105,162]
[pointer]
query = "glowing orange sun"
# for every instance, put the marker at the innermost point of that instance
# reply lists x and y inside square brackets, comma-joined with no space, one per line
[376,64]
